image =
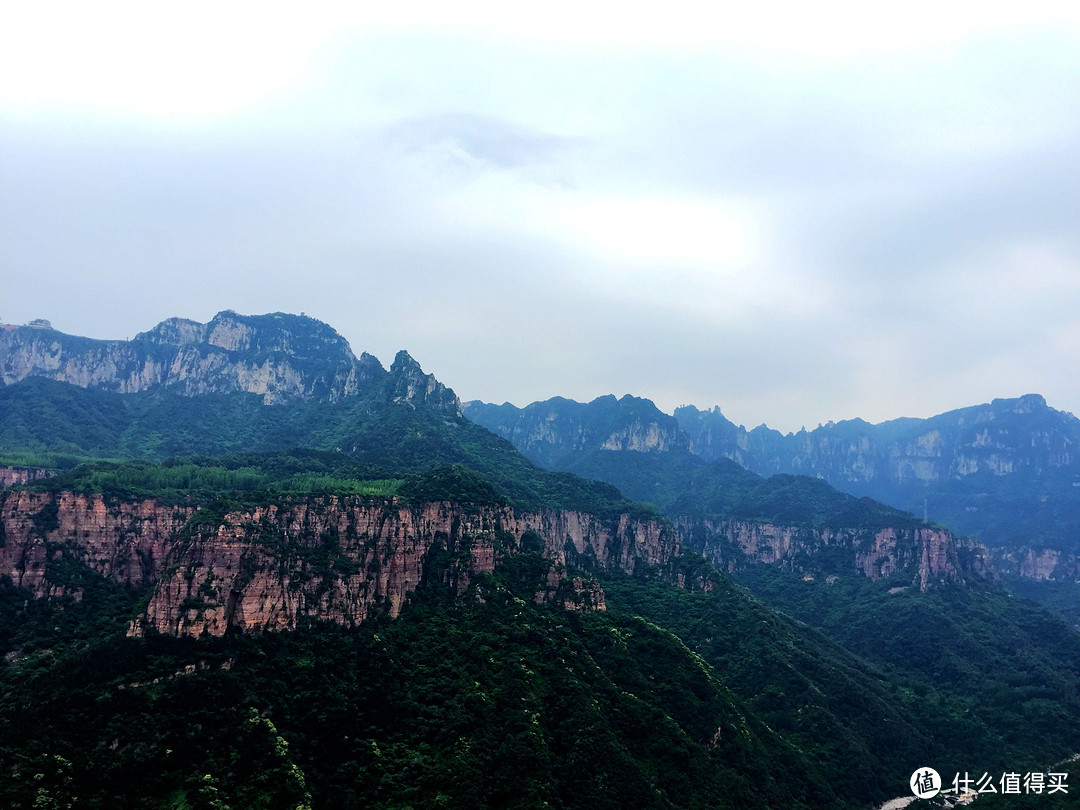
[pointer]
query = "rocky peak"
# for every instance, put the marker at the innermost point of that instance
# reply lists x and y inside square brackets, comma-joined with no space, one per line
[278,356]
[1030,403]
[552,432]
[408,384]
[295,335]
[174,332]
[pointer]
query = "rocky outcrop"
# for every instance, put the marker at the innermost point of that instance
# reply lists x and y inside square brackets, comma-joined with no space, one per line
[409,385]
[928,556]
[14,476]
[128,542]
[1044,564]
[551,432]
[279,357]
[341,559]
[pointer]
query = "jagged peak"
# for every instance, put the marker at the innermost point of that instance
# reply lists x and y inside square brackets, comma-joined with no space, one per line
[405,362]
[409,385]
[370,362]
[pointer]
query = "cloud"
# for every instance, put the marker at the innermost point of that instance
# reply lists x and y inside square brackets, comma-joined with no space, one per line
[802,213]
[475,139]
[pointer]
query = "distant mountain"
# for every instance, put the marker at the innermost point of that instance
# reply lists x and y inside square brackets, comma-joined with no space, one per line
[278,357]
[291,577]
[731,515]
[904,594]
[1007,472]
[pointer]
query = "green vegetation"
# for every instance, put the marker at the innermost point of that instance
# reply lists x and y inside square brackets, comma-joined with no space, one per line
[246,478]
[993,678]
[360,446]
[457,484]
[457,703]
[699,697]
[41,461]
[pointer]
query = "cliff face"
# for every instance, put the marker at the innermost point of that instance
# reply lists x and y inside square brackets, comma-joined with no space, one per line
[1001,438]
[1045,564]
[928,556]
[12,476]
[126,542]
[279,357]
[267,568]
[1006,472]
[552,432]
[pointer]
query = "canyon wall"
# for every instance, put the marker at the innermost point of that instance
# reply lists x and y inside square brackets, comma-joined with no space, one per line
[270,567]
[924,556]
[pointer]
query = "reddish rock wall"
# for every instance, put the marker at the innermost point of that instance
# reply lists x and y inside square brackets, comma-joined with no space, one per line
[11,476]
[929,554]
[267,568]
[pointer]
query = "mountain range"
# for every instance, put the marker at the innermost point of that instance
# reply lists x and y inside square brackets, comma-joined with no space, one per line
[1006,474]
[291,577]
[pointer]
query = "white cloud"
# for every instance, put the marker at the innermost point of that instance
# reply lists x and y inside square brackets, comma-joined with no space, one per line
[806,211]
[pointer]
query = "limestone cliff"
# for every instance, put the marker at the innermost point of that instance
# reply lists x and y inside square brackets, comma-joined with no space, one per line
[269,567]
[279,357]
[923,556]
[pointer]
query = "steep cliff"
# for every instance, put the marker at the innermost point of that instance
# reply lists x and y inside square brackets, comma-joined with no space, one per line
[1043,564]
[279,357]
[12,476]
[921,557]
[337,558]
[128,542]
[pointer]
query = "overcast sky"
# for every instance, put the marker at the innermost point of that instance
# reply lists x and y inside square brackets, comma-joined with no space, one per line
[799,212]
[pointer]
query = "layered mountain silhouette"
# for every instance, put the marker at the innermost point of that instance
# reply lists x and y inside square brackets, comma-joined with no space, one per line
[290,576]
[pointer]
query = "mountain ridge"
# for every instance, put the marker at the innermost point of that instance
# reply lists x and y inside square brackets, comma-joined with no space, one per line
[279,357]
[410,572]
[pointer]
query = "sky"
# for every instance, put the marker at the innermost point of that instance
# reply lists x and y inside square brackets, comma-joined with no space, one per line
[798,212]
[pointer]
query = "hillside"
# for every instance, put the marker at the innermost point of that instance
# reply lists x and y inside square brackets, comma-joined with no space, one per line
[324,586]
